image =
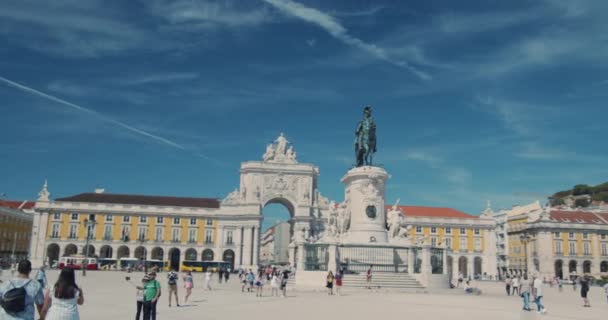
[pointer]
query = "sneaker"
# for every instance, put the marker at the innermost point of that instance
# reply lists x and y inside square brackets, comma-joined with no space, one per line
[543,311]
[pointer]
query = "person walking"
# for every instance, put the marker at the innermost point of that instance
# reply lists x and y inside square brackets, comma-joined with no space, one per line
[244,282]
[560,285]
[284,279]
[585,283]
[538,294]
[250,280]
[62,302]
[220,275]
[172,277]
[508,283]
[330,283]
[515,284]
[368,277]
[460,278]
[152,291]
[339,277]
[41,277]
[226,275]
[274,285]
[139,295]
[524,289]
[208,280]
[259,284]
[188,285]
[12,289]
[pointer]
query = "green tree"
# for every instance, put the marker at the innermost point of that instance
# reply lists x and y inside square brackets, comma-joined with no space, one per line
[581,189]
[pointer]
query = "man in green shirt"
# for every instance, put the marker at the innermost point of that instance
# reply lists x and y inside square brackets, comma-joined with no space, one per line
[151,294]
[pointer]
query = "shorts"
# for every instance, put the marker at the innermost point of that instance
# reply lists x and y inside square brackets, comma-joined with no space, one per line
[188,285]
[172,287]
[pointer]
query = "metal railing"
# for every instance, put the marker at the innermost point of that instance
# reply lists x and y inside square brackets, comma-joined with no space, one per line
[316,257]
[381,259]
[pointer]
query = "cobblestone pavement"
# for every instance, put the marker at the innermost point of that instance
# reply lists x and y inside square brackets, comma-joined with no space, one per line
[109,296]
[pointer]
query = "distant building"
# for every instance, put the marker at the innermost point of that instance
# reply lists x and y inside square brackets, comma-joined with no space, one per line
[15,230]
[558,241]
[469,239]
[274,244]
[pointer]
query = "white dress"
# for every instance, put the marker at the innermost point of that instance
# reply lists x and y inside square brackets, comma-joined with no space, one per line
[63,309]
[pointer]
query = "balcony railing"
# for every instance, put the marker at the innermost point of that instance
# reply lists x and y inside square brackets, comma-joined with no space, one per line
[191,241]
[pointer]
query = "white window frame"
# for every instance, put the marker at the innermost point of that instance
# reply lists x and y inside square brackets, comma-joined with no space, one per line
[56,230]
[229,237]
[160,220]
[463,230]
[209,222]
[177,221]
[586,248]
[466,244]
[73,235]
[74,217]
[448,230]
[56,216]
[143,219]
[158,236]
[558,247]
[176,235]
[433,230]
[477,244]
[418,229]
[142,231]
[448,243]
[572,248]
[107,235]
[109,218]
[208,236]
[192,235]
[476,231]
[126,219]
[604,248]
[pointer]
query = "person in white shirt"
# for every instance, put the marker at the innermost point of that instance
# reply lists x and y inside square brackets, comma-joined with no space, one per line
[537,286]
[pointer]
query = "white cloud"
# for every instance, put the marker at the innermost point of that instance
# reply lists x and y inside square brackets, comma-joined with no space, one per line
[159,78]
[335,29]
[208,14]
[454,174]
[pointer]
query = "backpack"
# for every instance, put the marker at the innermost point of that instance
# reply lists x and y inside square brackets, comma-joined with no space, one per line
[13,301]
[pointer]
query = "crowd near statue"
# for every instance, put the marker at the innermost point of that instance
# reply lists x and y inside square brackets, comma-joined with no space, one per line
[365,141]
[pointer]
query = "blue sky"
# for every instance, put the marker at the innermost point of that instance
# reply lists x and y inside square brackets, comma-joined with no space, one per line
[474,101]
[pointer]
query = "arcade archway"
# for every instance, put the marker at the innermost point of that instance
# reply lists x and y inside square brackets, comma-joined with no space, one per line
[52,253]
[559,269]
[174,259]
[123,252]
[157,253]
[228,256]
[462,266]
[70,250]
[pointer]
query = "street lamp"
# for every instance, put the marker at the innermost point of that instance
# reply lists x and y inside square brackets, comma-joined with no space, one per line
[142,239]
[89,223]
[525,239]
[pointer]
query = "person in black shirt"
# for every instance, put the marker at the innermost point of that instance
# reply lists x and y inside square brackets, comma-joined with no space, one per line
[172,282]
[585,290]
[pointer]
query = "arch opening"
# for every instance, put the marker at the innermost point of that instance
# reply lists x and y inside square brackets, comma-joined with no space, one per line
[277,230]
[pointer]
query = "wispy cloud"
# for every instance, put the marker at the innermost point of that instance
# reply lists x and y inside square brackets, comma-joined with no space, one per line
[338,31]
[454,174]
[208,14]
[514,115]
[92,113]
[158,78]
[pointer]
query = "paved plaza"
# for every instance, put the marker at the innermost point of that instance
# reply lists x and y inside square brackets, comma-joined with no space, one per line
[109,296]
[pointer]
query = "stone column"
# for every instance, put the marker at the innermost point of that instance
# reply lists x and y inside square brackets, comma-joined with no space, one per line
[425,268]
[238,240]
[247,246]
[596,249]
[38,238]
[256,246]
[470,266]
[300,265]
[292,254]
[455,270]
[331,263]
[445,260]
[411,260]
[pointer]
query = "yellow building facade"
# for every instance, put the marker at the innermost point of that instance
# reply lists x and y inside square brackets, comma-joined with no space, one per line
[134,227]
[559,242]
[469,239]
[15,230]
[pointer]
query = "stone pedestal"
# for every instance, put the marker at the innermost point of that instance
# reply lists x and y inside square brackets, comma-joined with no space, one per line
[365,187]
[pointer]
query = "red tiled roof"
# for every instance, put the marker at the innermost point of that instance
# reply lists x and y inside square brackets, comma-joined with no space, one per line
[579,217]
[418,211]
[13,204]
[143,200]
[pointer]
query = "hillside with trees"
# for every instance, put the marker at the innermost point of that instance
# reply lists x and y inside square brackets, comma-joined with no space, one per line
[582,195]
